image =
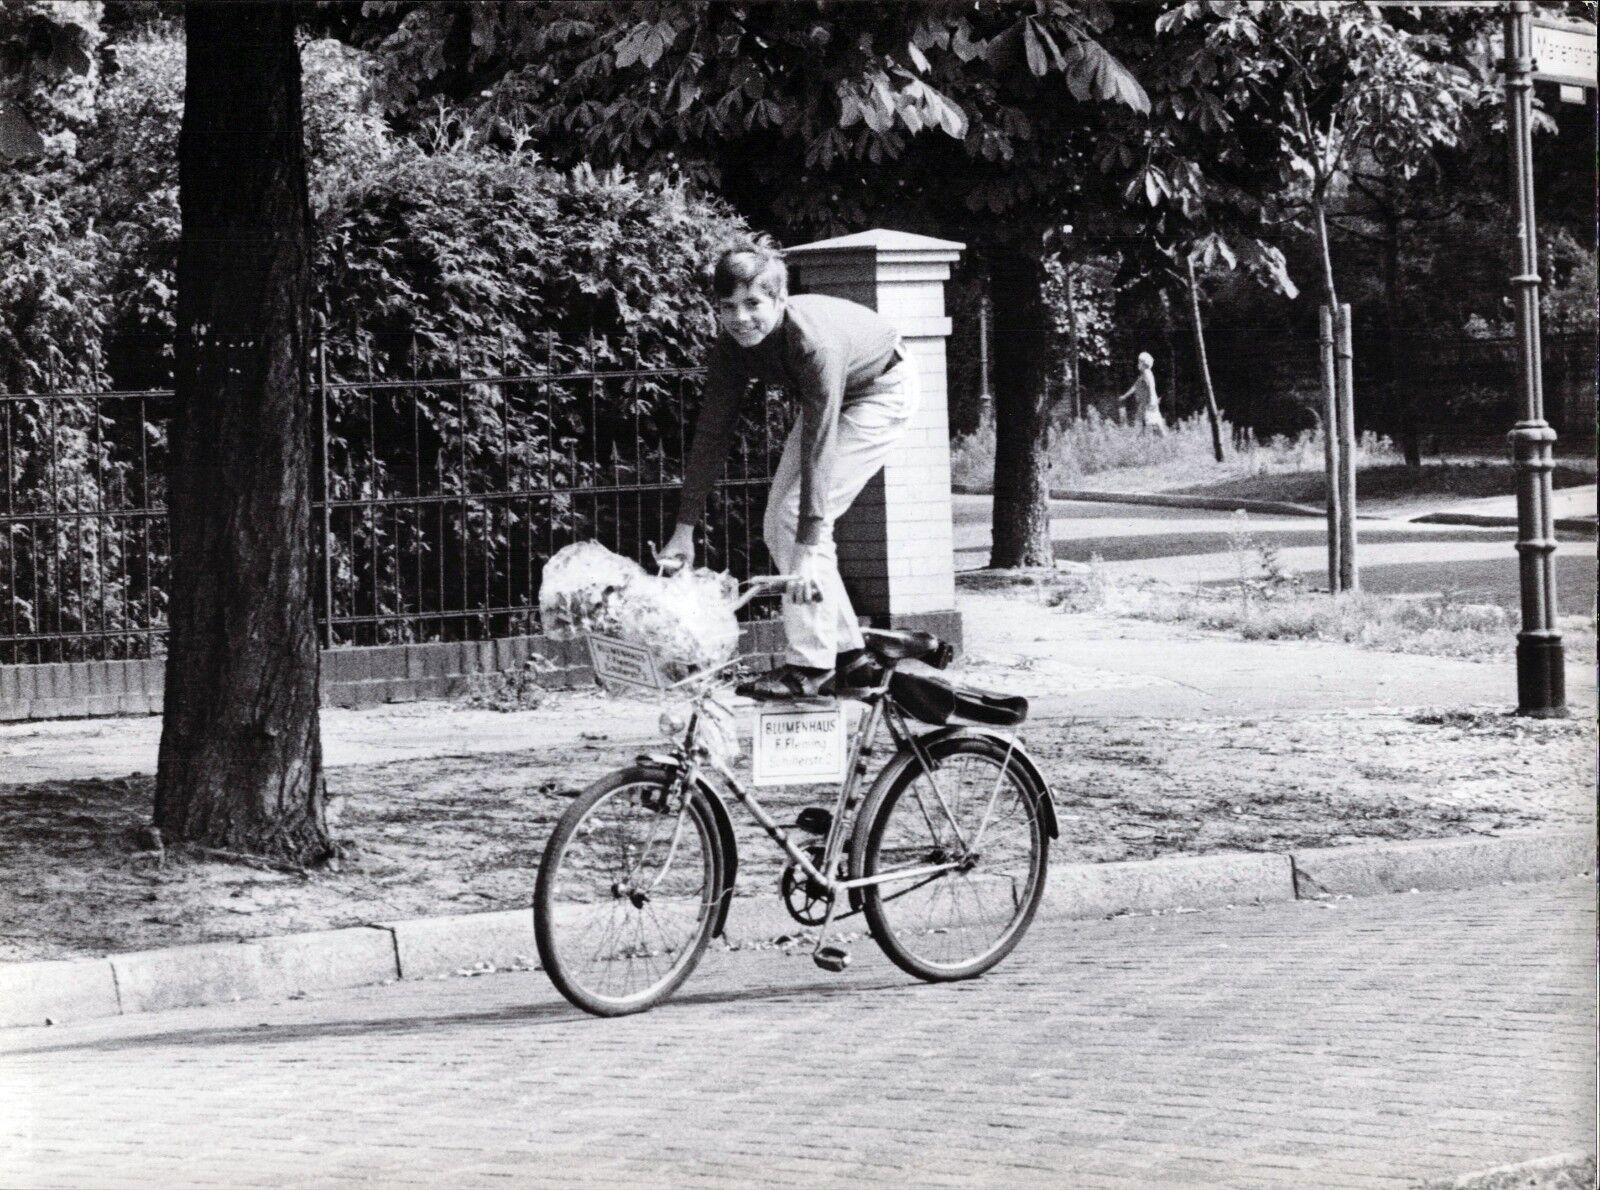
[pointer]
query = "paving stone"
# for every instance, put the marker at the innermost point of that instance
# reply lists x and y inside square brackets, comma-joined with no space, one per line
[1293,1045]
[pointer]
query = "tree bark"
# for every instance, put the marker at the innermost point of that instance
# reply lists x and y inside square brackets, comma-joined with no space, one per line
[1402,403]
[1330,297]
[1349,574]
[1330,441]
[1074,348]
[241,755]
[1021,530]
[1335,398]
[1205,366]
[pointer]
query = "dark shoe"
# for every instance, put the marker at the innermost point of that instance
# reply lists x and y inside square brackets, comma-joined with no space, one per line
[786,682]
[856,670]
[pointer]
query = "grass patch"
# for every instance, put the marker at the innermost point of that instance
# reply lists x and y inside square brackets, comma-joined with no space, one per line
[1266,601]
[1122,457]
[1106,455]
[1391,481]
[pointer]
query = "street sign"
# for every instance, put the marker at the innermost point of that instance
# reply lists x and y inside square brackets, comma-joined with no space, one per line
[1564,53]
[618,663]
[799,747]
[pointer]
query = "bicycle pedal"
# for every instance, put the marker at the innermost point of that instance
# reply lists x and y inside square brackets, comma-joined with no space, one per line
[831,958]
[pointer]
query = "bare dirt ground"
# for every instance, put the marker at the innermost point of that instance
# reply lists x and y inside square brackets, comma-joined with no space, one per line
[459,834]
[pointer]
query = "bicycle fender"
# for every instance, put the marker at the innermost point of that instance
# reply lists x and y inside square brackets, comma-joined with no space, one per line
[1047,805]
[724,821]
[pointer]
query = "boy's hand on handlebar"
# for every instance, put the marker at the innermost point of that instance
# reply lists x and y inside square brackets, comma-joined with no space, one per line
[678,553]
[806,586]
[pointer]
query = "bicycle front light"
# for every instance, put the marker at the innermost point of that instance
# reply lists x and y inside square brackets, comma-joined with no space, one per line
[672,723]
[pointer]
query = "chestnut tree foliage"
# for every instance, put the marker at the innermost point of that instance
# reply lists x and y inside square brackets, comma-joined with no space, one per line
[978,121]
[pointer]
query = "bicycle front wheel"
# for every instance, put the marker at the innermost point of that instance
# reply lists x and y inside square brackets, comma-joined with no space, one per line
[962,855]
[626,898]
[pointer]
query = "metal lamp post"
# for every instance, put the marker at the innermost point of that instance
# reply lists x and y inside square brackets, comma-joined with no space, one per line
[985,392]
[1541,671]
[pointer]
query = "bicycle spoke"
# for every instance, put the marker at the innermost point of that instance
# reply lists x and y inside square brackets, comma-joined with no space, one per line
[962,920]
[627,907]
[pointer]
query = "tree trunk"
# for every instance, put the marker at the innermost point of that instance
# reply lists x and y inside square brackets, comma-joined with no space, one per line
[1333,403]
[1022,427]
[1330,440]
[1330,297]
[1074,348]
[1349,575]
[1402,403]
[241,754]
[1205,367]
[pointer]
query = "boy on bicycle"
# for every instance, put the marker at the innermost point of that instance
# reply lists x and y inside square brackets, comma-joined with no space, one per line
[856,390]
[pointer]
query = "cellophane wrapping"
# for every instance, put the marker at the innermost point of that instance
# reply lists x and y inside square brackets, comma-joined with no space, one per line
[686,620]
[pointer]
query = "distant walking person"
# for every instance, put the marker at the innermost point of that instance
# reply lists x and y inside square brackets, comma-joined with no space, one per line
[1144,408]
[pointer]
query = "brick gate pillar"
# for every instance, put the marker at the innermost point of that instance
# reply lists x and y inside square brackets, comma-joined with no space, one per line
[896,551]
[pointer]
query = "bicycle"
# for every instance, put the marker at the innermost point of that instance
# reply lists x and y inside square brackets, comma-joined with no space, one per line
[945,854]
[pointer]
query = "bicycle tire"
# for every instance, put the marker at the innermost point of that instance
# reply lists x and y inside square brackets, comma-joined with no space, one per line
[959,924]
[619,930]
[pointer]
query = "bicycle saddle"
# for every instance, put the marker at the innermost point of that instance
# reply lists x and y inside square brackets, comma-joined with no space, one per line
[890,645]
[934,700]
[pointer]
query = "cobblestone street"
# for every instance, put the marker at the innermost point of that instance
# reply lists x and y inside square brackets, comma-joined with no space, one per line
[1360,1043]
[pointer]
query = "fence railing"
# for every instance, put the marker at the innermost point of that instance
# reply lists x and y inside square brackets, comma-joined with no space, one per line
[438,502]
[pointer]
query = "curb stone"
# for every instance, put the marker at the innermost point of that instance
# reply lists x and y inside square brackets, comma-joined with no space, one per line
[1580,525]
[188,976]
[1562,524]
[430,947]
[1208,503]
[1435,866]
[56,991]
[1187,882]
[1163,500]
[59,991]
[1567,1171]
[294,964]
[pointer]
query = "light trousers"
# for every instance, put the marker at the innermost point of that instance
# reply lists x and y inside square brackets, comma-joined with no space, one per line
[868,431]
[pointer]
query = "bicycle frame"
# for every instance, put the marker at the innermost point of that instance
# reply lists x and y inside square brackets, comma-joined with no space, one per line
[880,711]
[901,822]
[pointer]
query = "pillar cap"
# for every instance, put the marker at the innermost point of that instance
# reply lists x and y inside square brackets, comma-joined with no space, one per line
[883,242]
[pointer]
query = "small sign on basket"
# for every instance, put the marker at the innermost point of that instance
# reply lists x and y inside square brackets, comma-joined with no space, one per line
[619,663]
[801,747]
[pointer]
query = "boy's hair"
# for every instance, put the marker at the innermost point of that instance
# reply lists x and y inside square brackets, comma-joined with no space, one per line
[755,262]
[1147,359]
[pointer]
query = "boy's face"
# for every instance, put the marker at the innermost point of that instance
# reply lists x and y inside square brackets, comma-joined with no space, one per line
[748,314]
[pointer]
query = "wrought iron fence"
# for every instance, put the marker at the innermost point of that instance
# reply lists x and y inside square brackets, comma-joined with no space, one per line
[439,500]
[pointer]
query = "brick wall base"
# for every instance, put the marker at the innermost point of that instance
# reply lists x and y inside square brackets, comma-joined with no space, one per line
[350,677]
[367,676]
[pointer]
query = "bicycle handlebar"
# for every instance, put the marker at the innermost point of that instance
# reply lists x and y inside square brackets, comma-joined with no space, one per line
[755,586]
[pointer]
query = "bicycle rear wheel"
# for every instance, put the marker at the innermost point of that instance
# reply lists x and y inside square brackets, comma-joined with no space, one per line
[626,898]
[976,835]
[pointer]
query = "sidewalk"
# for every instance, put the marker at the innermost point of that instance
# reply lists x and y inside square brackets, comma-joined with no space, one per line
[1068,665]
[1575,505]
[1368,1043]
